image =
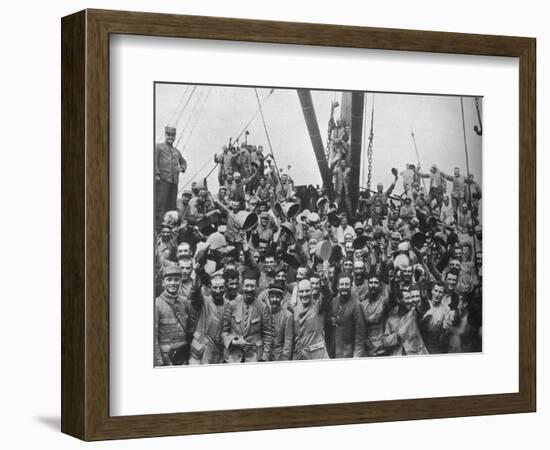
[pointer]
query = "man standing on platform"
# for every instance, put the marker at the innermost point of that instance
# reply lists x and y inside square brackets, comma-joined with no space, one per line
[169,163]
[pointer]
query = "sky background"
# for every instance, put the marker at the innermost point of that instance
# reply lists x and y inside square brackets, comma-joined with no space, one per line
[207,119]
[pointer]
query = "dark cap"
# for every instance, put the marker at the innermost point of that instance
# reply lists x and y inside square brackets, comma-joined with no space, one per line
[171,270]
[275,288]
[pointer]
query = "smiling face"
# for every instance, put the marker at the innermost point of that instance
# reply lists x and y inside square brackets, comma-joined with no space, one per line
[451,280]
[171,284]
[249,289]
[186,267]
[304,292]
[407,273]
[217,288]
[269,264]
[280,278]
[415,296]
[184,249]
[165,234]
[406,302]
[347,267]
[315,285]
[359,270]
[275,300]
[170,137]
[344,287]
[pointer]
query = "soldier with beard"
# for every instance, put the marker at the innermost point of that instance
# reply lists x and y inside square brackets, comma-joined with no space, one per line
[401,334]
[359,287]
[247,326]
[280,316]
[375,311]
[346,327]
[207,345]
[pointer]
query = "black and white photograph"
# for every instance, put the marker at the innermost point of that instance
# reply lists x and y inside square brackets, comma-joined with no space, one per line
[303,224]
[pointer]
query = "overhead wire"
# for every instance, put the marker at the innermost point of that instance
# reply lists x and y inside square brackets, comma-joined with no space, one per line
[197,119]
[267,133]
[171,121]
[188,121]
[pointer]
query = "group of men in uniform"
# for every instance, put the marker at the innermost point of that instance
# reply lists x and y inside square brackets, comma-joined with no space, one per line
[251,275]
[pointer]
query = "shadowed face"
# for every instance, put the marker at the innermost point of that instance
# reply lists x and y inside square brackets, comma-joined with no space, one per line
[275,300]
[165,234]
[249,289]
[301,273]
[232,287]
[374,285]
[406,301]
[280,278]
[218,287]
[170,138]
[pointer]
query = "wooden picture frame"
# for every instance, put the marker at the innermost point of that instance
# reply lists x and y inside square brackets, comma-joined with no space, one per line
[85,224]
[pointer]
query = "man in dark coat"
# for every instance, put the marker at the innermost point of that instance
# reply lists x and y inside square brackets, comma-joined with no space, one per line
[169,163]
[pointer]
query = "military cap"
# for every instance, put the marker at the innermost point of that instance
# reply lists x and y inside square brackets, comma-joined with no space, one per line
[187,192]
[171,270]
[170,130]
[275,288]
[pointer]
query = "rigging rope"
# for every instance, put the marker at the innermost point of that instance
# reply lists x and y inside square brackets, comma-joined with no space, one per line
[179,104]
[185,106]
[188,122]
[468,173]
[267,134]
[195,174]
[240,134]
[255,114]
[197,120]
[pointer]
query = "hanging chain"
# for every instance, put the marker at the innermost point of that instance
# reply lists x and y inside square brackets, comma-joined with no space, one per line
[369,158]
[369,150]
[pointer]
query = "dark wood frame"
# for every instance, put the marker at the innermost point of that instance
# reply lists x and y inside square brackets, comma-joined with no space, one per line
[85,224]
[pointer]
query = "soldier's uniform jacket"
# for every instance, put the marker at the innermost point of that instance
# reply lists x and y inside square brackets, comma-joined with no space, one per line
[253,323]
[280,320]
[305,331]
[375,314]
[207,345]
[170,329]
[402,335]
[360,292]
[168,163]
[346,327]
